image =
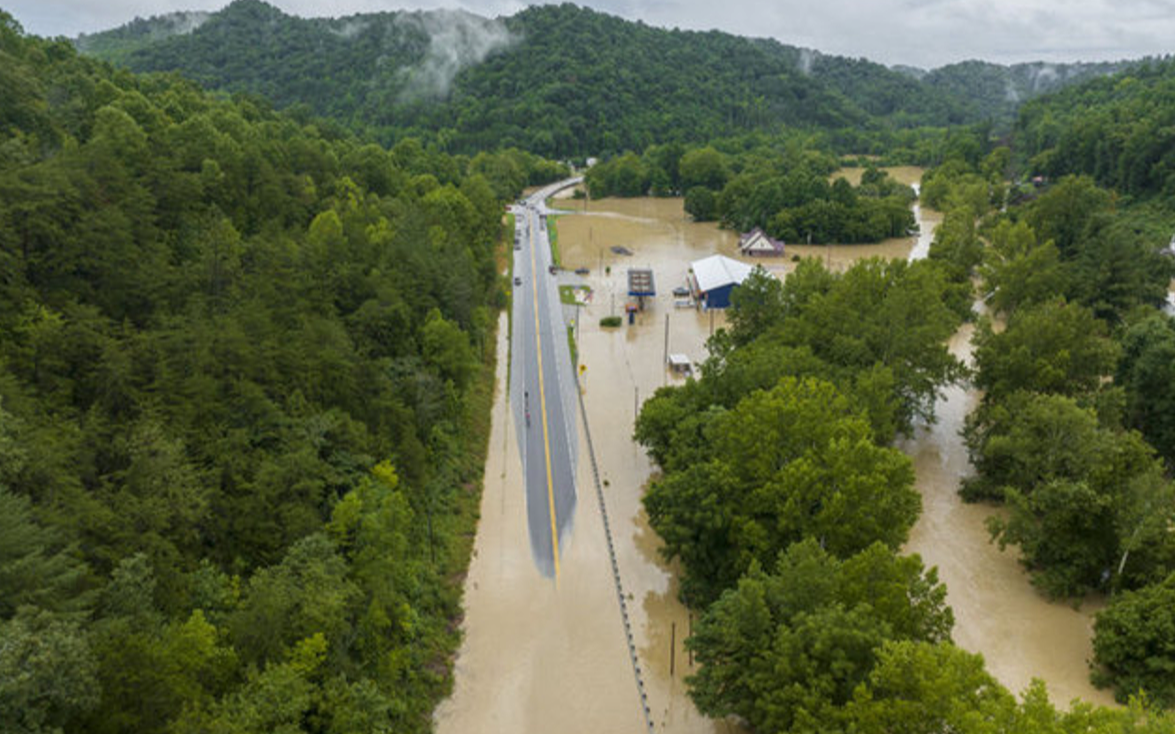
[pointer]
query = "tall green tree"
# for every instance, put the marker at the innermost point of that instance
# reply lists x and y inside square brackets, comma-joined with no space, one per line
[1056,347]
[1147,374]
[1133,644]
[786,650]
[793,462]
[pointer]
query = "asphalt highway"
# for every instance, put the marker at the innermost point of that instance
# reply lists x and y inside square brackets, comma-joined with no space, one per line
[542,385]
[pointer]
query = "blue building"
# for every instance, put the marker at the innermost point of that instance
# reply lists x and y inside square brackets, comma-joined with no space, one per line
[712,279]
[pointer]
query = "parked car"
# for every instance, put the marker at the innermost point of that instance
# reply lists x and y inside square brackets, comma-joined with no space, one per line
[681,291]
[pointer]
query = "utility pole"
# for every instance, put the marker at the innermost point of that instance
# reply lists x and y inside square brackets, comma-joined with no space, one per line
[665,352]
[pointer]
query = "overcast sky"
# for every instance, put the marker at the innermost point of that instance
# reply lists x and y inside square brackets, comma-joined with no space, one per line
[924,33]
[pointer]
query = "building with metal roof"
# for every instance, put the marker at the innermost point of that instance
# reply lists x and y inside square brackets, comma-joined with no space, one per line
[711,280]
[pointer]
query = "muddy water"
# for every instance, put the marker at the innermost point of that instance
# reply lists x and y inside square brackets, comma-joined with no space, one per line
[624,366]
[537,657]
[998,613]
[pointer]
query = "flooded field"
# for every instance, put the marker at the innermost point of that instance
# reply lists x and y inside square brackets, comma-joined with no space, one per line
[538,658]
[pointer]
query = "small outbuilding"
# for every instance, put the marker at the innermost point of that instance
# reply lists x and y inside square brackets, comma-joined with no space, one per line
[756,242]
[679,364]
[711,280]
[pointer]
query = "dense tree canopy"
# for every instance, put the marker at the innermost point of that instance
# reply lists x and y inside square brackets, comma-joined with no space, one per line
[1055,347]
[539,79]
[790,463]
[785,436]
[785,650]
[1116,129]
[220,329]
[1146,373]
[1134,648]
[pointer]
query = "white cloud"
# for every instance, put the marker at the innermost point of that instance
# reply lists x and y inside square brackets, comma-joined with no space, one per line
[920,32]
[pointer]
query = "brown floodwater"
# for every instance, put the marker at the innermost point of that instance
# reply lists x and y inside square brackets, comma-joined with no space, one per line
[538,657]
[998,613]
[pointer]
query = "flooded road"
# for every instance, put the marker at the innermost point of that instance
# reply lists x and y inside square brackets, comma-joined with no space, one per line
[539,656]
[624,367]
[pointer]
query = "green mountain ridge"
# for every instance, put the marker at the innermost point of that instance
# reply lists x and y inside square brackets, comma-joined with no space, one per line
[557,80]
[1119,129]
[998,90]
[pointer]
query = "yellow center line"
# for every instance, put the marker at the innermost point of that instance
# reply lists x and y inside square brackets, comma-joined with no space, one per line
[543,400]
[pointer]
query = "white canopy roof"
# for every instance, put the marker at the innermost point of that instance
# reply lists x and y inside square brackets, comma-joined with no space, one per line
[717,271]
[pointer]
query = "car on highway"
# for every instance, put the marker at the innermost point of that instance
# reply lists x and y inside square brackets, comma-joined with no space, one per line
[517,280]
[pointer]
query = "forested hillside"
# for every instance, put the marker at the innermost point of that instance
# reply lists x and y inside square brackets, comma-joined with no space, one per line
[545,79]
[1118,129]
[542,80]
[995,91]
[242,407]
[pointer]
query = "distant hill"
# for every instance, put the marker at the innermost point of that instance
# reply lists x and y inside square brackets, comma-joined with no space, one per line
[997,91]
[115,45]
[554,79]
[1119,129]
[557,80]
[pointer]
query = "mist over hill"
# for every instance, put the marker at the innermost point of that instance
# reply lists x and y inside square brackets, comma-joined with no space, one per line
[559,80]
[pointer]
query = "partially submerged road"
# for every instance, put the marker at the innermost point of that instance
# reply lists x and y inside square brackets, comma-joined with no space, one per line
[542,385]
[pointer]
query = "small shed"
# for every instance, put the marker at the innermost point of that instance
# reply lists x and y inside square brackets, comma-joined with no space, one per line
[756,242]
[680,364]
[711,280]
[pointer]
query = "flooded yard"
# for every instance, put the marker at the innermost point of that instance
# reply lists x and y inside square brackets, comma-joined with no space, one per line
[539,657]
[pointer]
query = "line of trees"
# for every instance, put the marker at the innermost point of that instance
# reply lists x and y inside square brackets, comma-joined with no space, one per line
[780,184]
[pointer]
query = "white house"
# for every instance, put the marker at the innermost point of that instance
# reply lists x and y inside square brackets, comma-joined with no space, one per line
[756,242]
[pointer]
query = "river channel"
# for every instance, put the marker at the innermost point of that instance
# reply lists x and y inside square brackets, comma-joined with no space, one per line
[540,657]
